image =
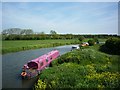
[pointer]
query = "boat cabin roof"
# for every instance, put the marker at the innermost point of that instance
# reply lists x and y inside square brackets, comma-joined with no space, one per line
[34,63]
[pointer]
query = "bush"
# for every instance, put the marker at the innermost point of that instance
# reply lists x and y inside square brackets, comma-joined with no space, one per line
[91,42]
[81,38]
[96,40]
[111,46]
[40,85]
[104,79]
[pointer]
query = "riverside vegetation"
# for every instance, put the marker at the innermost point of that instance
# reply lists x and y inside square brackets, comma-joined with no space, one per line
[84,68]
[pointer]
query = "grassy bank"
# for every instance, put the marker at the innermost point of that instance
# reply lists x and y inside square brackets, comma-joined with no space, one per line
[20,45]
[86,68]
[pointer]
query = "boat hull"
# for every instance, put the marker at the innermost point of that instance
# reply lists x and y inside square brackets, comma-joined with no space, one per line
[34,67]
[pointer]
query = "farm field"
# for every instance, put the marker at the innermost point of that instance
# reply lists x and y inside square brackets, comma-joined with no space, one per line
[86,68]
[20,45]
[100,40]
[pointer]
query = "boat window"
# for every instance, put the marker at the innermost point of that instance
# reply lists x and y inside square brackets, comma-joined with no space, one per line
[41,63]
[32,65]
[51,57]
[47,60]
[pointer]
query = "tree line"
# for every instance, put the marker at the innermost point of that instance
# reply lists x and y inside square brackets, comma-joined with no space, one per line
[28,34]
[50,36]
[17,31]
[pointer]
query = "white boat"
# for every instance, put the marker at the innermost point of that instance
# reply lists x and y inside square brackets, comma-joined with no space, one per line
[75,47]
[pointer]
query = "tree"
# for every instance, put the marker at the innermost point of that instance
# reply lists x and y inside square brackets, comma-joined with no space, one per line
[113,44]
[29,31]
[91,42]
[96,40]
[11,31]
[42,32]
[17,31]
[53,32]
[81,38]
[68,36]
[26,31]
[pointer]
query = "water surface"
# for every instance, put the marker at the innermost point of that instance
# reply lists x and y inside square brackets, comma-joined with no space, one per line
[13,62]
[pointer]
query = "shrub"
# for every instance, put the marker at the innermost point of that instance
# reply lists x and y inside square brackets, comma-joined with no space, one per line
[111,46]
[104,79]
[96,40]
[40,85]
[91,42]
[81,38]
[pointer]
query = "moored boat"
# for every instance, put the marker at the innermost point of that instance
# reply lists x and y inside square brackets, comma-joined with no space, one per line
[35,66]
[75,47]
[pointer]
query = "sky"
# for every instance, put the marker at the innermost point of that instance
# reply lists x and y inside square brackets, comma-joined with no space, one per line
[62,17]
[60,0]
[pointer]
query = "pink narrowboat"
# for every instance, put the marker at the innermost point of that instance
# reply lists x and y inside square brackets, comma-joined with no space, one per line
[34,67]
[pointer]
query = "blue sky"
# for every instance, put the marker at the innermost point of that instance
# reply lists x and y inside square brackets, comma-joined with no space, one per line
[60,0]
[63,17]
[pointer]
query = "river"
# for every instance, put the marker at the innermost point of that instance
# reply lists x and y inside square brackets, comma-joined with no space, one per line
[12,65]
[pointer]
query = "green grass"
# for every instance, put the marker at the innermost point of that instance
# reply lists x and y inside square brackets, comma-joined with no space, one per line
[19,45]
[86,68]
[100,40]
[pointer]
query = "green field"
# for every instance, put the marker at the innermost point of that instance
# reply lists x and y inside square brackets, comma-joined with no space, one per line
[86,68]
[20,45]
[100,40]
